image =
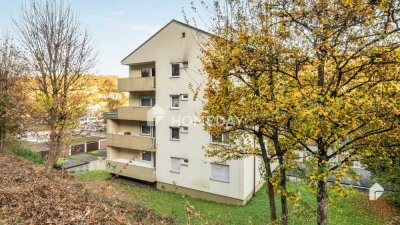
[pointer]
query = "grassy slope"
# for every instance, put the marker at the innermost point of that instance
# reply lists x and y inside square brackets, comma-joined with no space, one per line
[25,153]
[342,210]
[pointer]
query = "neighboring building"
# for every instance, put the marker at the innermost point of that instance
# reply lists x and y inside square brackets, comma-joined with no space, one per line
[154,139]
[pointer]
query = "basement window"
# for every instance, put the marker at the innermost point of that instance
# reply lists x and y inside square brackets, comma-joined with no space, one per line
[220,172]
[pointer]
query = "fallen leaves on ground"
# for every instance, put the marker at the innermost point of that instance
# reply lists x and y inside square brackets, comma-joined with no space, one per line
[30,195]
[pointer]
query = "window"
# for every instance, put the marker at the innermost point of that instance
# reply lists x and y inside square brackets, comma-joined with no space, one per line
[184,65]
[175,133]
[174,101]
[175,70]
[184,97]
[184,129]
[184,162]
[217,138]
[148,72]
[219,172]
[145,129]
[146,156]
[147,101]
[175,165]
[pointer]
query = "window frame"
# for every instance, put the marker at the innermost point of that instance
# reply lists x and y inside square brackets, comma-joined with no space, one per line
[219,179]
[151,71]
[152,100]
[183,129]
[186,98]
[170,135]
[147,161]
[170,101]
[221,142]
[141,130]
[178,69]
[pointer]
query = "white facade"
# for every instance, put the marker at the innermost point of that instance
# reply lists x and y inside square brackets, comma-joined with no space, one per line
[178,160]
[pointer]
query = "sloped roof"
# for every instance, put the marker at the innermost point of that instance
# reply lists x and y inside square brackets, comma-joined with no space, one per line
[172,21]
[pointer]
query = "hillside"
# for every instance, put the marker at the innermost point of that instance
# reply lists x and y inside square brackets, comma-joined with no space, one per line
[30,196]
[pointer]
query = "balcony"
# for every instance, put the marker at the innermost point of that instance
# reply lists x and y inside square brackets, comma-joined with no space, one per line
[134,169]
[137,84]
[134,113]
[131,142]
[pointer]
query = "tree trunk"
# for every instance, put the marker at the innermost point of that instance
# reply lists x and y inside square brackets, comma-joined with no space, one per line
[282,179]
[322,185]
[2,139]
[268,171]
[282,183]
[52,150]
[322,201]
[271,193]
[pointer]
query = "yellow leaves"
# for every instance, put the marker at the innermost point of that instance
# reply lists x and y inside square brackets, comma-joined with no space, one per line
[342,193]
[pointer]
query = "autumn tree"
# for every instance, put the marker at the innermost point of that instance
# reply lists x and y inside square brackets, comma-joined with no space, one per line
[110,96]
[12,69]
[347,73]
[338,61]
[59,52]
[245,89]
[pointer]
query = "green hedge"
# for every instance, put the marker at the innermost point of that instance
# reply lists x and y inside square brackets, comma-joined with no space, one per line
[26,154]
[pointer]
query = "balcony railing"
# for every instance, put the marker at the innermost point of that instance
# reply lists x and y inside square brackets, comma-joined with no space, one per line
[137,84]
[142,143]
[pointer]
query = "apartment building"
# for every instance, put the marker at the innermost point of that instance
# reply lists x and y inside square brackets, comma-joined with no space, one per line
[157,139]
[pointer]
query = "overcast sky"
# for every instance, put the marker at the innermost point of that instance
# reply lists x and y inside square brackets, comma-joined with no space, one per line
[117,26]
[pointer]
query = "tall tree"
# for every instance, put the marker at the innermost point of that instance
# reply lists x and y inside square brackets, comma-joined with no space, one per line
[337,60]
[347,75]
[59,52]
[12,68]
[245,89]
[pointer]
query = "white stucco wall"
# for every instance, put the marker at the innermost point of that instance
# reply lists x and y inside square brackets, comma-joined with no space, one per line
[165,48]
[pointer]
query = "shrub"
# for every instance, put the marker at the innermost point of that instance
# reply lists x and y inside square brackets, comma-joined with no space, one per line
[25,153]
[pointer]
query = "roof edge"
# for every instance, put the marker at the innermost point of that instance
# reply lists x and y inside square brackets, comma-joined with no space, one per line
[155,34]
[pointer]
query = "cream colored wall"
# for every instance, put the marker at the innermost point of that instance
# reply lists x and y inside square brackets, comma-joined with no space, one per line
[165,48]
